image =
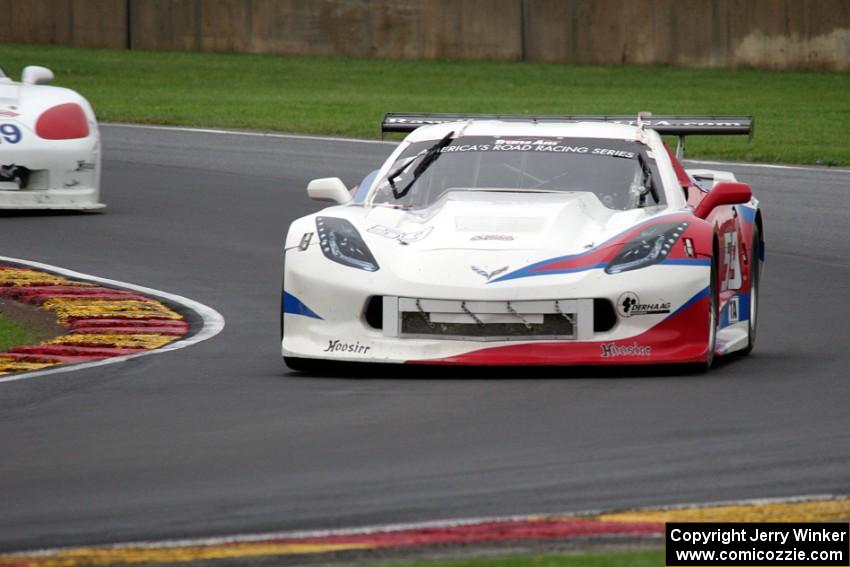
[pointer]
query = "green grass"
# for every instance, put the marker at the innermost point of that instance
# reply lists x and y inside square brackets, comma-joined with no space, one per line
[801,117]
[654,558]
[12,334]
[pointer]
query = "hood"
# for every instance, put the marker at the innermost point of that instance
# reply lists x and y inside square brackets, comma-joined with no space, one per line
[491,230]
[25,103]
[565,223]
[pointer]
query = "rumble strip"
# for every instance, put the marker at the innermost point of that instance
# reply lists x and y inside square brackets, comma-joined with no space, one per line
[644,523]
[106,323]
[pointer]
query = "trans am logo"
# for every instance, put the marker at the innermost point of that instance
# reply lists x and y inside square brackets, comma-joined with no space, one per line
[402,237]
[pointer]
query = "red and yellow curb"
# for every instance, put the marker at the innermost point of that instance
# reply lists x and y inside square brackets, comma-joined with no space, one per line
[102,322]
[635,523]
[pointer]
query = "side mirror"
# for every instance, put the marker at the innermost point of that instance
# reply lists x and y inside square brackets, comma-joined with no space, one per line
[723,193]
[329,189]
[35,75]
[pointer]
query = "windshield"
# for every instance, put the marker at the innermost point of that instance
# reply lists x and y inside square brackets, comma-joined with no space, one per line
[618,172]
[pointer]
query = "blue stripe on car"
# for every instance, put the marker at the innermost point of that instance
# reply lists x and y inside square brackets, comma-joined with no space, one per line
[699,295]
[528,271]
[687,262]
[747,213]
[294,306]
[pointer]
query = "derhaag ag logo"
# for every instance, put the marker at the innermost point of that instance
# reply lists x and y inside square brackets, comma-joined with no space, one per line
[629,305]
[626,302]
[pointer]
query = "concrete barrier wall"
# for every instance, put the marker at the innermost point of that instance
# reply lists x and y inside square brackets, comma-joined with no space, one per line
[699,33]
[702,33]
[466,29]
[83,23]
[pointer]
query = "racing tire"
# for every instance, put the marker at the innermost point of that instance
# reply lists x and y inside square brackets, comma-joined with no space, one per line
[755,278]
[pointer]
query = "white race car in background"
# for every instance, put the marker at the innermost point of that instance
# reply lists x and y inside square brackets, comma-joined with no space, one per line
[511,240]
[49,145]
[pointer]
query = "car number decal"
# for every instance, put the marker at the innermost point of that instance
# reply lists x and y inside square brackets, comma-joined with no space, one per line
[10,133]
[732,277]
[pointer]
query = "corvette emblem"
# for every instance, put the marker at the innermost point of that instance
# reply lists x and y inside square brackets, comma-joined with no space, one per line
[488,275]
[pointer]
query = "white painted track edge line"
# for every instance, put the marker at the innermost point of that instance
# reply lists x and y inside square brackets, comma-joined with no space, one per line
[212,320]
[821,169]
[257,134]
[261,134]
[389,528]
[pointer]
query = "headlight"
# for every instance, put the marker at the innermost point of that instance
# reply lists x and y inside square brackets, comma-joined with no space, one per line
[341,243]
[647,248]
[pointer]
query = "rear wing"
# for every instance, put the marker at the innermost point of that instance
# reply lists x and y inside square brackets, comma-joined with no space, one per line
[680,126]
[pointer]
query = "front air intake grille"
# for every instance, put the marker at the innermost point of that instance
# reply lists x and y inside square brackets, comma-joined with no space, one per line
[552,326]
[561,319]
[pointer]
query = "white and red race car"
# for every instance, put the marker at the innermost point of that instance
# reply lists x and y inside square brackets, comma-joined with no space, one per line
[518,240]
[49,145]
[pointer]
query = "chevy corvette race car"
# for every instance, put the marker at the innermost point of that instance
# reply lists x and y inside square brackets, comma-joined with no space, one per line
[49,145]
[518,240]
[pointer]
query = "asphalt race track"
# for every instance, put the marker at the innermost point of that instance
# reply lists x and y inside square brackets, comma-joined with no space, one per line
[220,438]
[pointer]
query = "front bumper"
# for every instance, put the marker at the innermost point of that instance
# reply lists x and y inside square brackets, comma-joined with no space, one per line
[325,317]
[62,175]
[76,199]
